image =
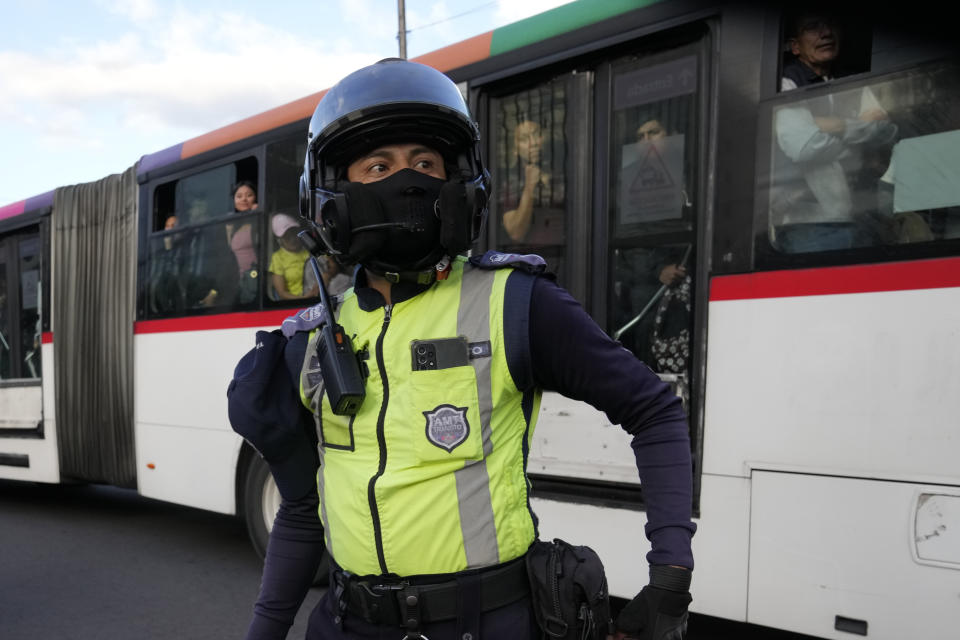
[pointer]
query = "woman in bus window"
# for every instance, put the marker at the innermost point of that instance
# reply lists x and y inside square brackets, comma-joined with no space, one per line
[242,242]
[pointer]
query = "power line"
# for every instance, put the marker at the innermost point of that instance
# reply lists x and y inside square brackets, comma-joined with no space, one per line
[459,15]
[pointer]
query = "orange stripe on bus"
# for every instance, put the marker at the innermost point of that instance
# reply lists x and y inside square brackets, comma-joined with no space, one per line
[458,55]
[290,112]
[454,56]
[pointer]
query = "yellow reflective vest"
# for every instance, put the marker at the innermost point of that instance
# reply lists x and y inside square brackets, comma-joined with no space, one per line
[429,475]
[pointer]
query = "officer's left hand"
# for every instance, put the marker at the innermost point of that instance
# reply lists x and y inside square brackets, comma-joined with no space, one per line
[659,612]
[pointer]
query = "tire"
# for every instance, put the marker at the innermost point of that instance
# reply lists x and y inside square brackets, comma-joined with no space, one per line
[260,503]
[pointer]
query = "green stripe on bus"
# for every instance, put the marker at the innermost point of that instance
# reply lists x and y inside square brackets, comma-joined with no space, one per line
[560,20]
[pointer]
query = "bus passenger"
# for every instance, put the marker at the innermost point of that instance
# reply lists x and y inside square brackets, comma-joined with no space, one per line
[668,147]
[244,196]
[242,242]
[813,207]
[168,224]
[670,339]
[287,262]
[241,238]
[531,197]
[528,142]
[652,287]
[178,281]
[651,130]
[422,493]
[206,266]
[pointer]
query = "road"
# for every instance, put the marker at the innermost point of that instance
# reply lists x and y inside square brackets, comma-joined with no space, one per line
[91,562]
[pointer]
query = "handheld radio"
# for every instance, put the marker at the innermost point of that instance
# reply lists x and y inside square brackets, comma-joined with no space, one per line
[340,367]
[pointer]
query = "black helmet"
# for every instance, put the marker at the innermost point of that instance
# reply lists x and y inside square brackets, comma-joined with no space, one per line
[390,102]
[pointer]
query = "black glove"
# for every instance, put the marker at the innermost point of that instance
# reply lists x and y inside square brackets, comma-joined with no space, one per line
[659,612]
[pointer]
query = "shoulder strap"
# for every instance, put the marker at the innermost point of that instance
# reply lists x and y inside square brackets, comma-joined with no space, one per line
[305,320]
[516,327]
[530,262]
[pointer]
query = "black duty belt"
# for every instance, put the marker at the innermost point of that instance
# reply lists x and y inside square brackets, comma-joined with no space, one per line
[386,600]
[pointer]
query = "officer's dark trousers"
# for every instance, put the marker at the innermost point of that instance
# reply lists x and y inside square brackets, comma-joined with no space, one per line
[514,621]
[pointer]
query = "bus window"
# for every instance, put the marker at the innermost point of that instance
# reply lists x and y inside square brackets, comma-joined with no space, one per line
[289,278]
[203,253]
[529,171]
[20,306]
[6,355]
[867,166]
[203,196]
[652,209]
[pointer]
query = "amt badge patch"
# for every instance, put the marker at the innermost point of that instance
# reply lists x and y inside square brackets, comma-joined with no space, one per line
[447,426]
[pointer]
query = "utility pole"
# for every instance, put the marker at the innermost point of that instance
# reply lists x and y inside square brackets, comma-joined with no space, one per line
[402,28]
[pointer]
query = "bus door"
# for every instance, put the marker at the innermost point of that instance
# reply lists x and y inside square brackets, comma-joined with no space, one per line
[21,406]
[652,205]
[597,168]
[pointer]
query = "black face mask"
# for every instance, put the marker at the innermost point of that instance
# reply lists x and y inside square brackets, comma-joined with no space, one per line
[394,222]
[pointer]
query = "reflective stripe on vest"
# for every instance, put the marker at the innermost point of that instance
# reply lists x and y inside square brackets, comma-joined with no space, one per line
[429,476]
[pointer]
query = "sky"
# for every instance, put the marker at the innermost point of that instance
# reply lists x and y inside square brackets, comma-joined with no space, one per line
[87,87]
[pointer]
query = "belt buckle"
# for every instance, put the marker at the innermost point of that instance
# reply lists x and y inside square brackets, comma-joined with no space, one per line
[400,586]
[378,594]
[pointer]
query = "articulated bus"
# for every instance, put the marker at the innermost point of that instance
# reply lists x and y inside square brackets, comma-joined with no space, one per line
[785,254]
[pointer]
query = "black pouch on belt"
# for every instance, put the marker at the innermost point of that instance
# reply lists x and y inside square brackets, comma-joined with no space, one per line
[569,591]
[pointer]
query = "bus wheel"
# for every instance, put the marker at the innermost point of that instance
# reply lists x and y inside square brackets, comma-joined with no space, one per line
[260,503]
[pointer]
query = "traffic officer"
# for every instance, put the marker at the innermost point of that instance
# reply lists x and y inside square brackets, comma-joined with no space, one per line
[420,495]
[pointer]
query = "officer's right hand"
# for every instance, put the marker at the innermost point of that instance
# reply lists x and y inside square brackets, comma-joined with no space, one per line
[659,611]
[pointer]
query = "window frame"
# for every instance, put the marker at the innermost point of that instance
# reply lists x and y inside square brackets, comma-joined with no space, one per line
[10,242]
[694,37]
[577,191]
[149,234]
[766,256]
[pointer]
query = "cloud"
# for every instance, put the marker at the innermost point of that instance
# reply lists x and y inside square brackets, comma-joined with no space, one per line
[159,73]
[187,72]
[193,70]
[136,10]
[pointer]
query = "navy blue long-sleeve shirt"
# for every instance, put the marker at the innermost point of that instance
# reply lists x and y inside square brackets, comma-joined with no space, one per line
[568,353]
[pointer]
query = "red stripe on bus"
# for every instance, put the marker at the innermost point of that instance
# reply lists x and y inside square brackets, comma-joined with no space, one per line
[46,337]
[894,276]
[209,323]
